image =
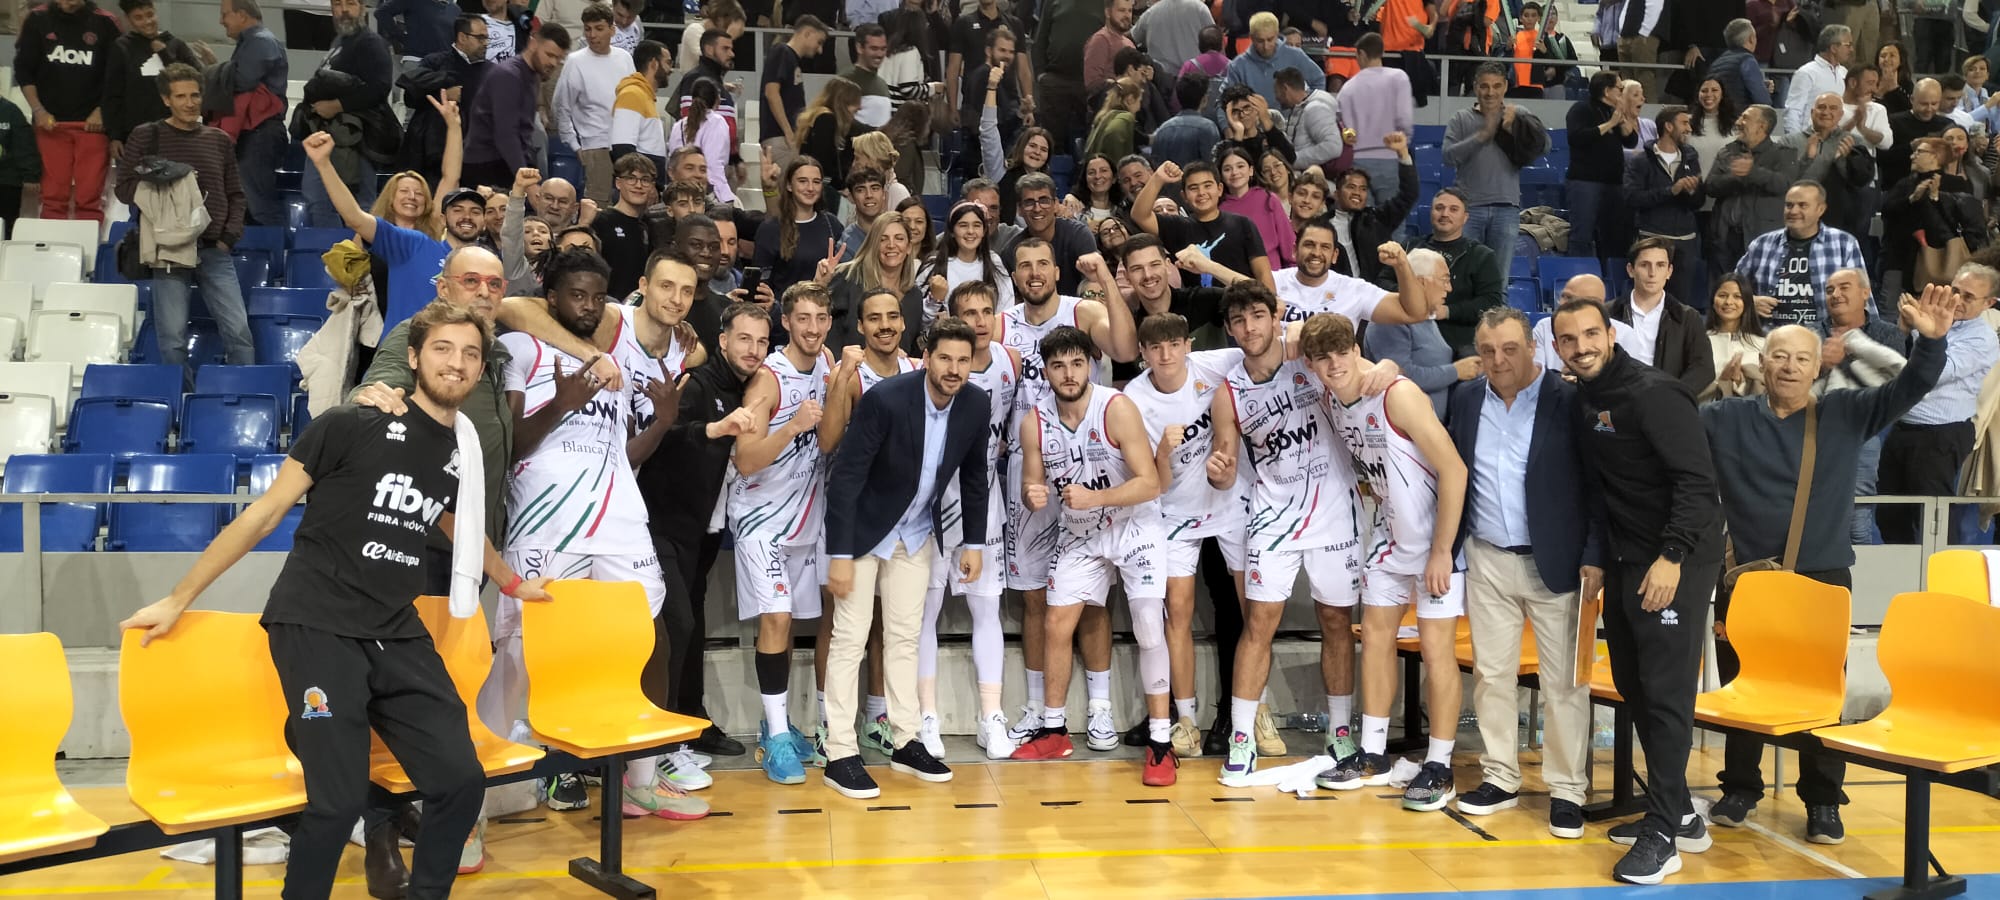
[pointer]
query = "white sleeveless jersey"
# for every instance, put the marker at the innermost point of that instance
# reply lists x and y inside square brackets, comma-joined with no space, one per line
[1403,482]
[642,367]
[1301,492]
[1017,332]
[1192,509]
[869,379]
[575,492]
[784,502]
[1000,379]
[1351,297]
[1085,455]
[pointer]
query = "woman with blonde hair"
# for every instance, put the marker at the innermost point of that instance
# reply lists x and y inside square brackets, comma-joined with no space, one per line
[1115,133]
[407,200]
[825,127]
[874,150]
[885,263]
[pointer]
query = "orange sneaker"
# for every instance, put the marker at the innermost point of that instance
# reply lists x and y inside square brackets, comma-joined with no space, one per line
[1048,743]
[1160,765]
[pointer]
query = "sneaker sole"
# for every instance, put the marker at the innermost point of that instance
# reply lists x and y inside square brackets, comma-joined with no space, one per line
[1234,781]
[1684,845]
[560,806]
[704,784]
[677,816]
[1102,745]
[853,793]
[1475,810]
[1332,785]
[1826,839]
[469,870]
[1726,821]
[1672,866]
[1381,780]
[1431,805]
[1566,833]
[912,771]
[1166,780]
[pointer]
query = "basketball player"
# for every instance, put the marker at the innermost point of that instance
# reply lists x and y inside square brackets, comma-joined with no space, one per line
[1175,395]
[1085,455]
[344,636]
[1031,534]
[775,513]
[1312,287]
[996,369]
[1418,480]
[574,509]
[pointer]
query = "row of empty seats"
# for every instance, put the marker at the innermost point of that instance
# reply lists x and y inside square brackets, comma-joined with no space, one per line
[151,526]
[130,409]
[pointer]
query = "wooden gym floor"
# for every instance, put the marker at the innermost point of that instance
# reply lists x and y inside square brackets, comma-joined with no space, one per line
[1086,828]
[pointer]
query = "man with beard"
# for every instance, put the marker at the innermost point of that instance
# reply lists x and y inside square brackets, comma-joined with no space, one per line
[1312,287]
[1357,225]
[1229,239]
[776,512]
[344,634]
[413,257]
[1657,487]
[1087,460]
[635,112]
[502,116]
[364,57]
[1031,535]
[1041,214]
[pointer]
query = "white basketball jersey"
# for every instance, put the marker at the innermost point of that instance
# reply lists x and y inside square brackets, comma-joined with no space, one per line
[1085,455]
[1000,379]
[1403,482]
[869,379]
[1301,492]
[783,502]
[1351,297]
[642,367]
[575,492]
[1017,332]
[1192,509]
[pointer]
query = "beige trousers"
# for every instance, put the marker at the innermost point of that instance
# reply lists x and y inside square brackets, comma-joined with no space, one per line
[1643,50]
[597,177]
[1501,590]
[900,582]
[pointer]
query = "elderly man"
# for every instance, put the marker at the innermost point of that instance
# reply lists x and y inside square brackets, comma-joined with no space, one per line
[1268,55]
[556,202]
[1922,455]
[1788,268]
[1825,73]
[261,68]
[1758,444]
[354,77]
[1748,180]
[1488,144]
[1476,283]
[1831,153]
[1862,350]
[1737,69]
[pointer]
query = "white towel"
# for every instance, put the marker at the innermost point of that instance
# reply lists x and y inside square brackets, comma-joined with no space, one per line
[1992,584]
[468,538]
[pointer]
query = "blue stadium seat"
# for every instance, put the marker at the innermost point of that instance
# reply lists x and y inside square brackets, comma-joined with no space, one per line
[145,344]
[305,271]
[274,382]
[1429,161]
[1432,135]
[173,526]
[253,268]
[296,213]
[1558,270]
[264,470]
[301,414]
[121,426]
[239,424]
[205,347]
[1524,294]
[279,338]
[157,381]
[319,240]
[118,230]
[267,239]
[285,301]
[66,527]
[567,168]
[1617,282]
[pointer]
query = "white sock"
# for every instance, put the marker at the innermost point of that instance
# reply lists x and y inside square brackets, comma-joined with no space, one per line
[1056,717]
[1037,692]
[1159,729]
[774,713]
[1242,715]
[1339,712]
[1186,708]
[1264,699]
[641,773]
[1374,734]
[877,706]
[1097,686]
[822,706]
[1440,752]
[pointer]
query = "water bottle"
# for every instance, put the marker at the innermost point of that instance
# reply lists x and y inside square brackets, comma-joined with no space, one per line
[1314,722]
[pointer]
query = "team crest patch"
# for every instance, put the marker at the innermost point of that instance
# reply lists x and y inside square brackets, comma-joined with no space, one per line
[316,707]
[1604,422]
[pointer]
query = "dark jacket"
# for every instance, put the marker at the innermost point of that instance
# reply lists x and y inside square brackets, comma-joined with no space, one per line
[1649,192]
[500,125]
[66,57]
[1955,213]
[1682,351]
[1749,205]
[422,149]
[1842,176]
[131,97]
[1565,526]
[1475,286]
[20,156]
[683,477]
[1742,78]
[874,477]
[418,27]
[1649,460]
[1371,226]
[1595,156]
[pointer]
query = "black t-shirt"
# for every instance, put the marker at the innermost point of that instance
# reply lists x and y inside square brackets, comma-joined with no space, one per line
[379,484]
[968,39]
[1072,242]
[625,242]
[782,69]
[1229,239]
[1798,298]
[972,96]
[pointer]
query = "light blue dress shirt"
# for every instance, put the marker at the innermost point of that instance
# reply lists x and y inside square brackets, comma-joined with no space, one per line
[914,528]
[1969,352]
[1500,466]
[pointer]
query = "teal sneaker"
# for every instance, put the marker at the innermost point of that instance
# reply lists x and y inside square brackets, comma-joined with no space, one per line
[779,755]
[812,752]
[1241,762]
[875,735]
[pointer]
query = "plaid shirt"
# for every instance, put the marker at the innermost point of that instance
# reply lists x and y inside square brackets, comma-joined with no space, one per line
[1830,251]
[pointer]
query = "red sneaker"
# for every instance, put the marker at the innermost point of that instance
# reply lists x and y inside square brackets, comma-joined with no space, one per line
[1047,743]
[1160,765]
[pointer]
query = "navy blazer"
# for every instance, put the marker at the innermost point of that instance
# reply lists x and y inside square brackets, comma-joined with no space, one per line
[874,475]
[1565,526]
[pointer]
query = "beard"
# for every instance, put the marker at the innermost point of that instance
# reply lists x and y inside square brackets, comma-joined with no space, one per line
[345,27]
[444,393]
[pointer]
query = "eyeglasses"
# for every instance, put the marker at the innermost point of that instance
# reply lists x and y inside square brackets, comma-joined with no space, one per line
[473,282]
[1038,202]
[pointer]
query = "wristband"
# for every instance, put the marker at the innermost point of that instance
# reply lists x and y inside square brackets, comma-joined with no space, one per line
[512,586]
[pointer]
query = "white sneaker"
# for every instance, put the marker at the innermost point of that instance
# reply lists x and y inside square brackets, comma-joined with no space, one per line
[700,759]
[1030,722]
[1103,732]
[928,734]
[682,770]
[993,737]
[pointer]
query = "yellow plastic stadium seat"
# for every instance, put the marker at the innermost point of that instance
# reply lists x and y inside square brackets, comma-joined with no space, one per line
[467,649]
[41,817]
[207,718]
[1961,572]
[1944,684]
[584,650]
[1791,634]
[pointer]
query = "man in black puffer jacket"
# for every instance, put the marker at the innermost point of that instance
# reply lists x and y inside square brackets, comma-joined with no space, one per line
[1360,228]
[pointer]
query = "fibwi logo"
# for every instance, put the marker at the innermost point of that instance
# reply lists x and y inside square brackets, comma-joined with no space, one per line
[397,493]
[316,707]
[397,430]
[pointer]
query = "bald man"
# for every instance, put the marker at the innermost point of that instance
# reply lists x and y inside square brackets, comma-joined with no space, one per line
[1923,119]
[1581,287]
[556,202]
[1831,154]
[1757,444]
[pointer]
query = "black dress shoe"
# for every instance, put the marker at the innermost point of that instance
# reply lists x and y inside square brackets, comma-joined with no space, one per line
[1137,735]
[1216,742]
[388,878]
[714,743]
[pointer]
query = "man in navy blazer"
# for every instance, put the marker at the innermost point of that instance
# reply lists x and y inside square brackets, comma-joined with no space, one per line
[1531,540]
[910,435]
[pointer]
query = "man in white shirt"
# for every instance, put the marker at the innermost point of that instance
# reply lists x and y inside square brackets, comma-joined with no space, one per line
[1657,329]
[584,96]
[1925,449]
[1825,73]
[625,15]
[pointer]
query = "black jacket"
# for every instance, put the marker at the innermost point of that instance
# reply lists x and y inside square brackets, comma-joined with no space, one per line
[1565,521]
[1649,192]
[874,477]
[130,97]
[1682,351]
[1372,226]
[1649,457]
[683,477]
[1595,156]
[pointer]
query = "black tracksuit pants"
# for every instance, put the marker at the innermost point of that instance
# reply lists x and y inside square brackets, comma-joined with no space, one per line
[672,679]
[1656,665]
[1820,774]
[399,688]
[1221,585]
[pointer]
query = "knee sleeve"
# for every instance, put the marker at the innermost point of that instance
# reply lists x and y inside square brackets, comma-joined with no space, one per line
[1149,628]
[927,633]
[988,642]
